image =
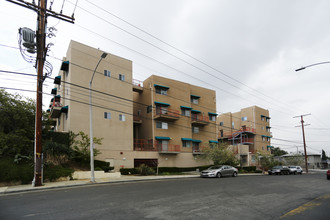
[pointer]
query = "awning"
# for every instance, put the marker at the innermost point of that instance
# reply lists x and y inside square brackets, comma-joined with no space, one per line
[197,141]
[186,139]
[57,80]
[195,96]
[65,65]
[54,91]
[65,109]
[195,111]
[160,86]
[162,103]
[162,138]
[268,127]
[269,146]
[185,107]
[210,113]
[266,136]
[214,142]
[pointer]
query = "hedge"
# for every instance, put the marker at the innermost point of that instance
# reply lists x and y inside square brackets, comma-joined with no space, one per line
[127,171]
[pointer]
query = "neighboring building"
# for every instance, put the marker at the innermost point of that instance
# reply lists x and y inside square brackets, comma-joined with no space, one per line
[248,127]
[175,119]
[171,120]
[313,159]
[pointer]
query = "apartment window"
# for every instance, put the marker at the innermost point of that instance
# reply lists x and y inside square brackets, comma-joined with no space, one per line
[107,73]
[185,112]
[232,125]
[244,118]
[262,128]
[194,100]
[122,117]
[186,144]
[212,117]
[161,110]
[267,119]
[149,109]
[162,125]
[263,138]
[195,130]
[139,112]
[122,77]
[221,123]
[268,129]
[221,133]
[195,145]
[107,115]
[160,90]
[262,118]
[268,139]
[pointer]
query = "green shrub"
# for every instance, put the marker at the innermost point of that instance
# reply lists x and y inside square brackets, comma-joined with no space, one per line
[127,171]
[98,169]
[11,171]
[145,170]
[52,172]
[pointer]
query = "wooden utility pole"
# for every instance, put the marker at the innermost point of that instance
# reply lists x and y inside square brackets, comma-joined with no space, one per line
[303,133]
[43,12]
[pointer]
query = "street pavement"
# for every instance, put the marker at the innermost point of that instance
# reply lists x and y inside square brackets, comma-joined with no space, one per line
[122,178]
[173,197]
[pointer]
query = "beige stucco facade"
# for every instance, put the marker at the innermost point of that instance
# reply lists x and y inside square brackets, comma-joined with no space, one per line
[127,113]
[249,127]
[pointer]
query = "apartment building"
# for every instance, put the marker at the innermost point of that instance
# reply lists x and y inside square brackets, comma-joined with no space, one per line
[248,131]
[112,100]
[174,119]
[158,122]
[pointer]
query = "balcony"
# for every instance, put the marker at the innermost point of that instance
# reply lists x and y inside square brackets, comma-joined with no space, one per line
[199,120]
[137,119]
[55,107]
[137,86]
[143,145]
[164,113]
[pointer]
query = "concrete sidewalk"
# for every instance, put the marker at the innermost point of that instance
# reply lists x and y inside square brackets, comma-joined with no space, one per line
[86,182]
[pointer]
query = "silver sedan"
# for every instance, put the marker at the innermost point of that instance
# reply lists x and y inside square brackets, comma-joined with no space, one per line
[219,171]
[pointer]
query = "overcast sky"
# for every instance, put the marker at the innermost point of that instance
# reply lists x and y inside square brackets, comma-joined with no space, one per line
[245,50]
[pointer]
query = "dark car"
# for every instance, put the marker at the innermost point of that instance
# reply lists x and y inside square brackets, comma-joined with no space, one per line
[219,171]
[279,170]
[328,174]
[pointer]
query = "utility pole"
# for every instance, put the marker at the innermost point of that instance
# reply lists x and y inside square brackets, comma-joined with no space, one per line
[303,133]
[43,12]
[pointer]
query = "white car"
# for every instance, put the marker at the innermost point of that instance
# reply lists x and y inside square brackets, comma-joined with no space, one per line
[295,170]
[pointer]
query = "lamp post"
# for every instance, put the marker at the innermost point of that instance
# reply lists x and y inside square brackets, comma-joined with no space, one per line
[91,120]
[315,64]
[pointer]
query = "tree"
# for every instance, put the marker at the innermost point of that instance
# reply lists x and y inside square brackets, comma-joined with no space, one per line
[16,125]
[276,151]
[219,154]
[324,156]
[268,161]
[80,145]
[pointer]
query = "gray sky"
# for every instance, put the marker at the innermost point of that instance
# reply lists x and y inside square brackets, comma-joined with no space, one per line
[251,49]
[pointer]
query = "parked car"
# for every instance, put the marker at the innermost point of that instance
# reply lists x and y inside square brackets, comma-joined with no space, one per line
[328,174]
[219,171]
[295,169]
[279,170]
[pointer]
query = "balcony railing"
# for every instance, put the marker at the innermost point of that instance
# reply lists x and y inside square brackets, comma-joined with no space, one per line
[166,113]
[137,85]
[143,145]
[199,119]
[137,119]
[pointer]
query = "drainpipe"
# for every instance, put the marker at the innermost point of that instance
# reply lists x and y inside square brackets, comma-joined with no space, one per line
[152,112]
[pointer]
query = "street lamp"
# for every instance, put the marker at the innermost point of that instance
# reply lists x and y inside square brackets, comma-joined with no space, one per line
[91,120]
[304,67]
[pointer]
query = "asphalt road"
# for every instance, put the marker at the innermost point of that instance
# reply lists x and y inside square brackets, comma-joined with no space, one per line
[243,197]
